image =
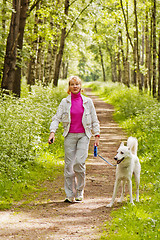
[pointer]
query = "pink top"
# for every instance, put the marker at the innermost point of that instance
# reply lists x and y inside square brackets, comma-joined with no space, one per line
[77,110]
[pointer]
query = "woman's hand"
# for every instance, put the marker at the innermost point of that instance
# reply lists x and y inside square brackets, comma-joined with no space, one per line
[51,137]
[96,143]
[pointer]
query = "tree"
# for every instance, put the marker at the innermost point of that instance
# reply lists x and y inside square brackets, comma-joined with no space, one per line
[137,47]
[12,69]
[60,34]
[146,77]
[8,80]
[61,47]
[159,69]
[101,56]
[22,23]
[3,18]
[64,35]
[154,48]
[31,78]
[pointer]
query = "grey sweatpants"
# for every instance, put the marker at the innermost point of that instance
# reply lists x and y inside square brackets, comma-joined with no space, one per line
[76,151]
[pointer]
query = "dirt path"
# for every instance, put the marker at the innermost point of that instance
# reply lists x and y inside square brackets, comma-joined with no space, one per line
[49,217]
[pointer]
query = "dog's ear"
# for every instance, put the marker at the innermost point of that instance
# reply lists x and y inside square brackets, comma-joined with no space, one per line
[122,144]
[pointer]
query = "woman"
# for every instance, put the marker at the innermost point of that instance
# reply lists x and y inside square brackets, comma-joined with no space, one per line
[78,115]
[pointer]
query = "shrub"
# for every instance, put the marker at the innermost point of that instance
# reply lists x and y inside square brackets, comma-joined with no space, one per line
[139,115]
[24,131]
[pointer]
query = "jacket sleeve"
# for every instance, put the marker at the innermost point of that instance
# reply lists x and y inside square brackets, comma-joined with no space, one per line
[57,118]
[95,121]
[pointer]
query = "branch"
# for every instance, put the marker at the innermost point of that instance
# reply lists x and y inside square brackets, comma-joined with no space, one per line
[78,17]
[72,2]
[33,6]
[126,25]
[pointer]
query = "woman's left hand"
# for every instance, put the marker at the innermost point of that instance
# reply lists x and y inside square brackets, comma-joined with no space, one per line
[96,143]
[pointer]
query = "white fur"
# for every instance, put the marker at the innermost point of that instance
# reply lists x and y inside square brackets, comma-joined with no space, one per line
[124,170]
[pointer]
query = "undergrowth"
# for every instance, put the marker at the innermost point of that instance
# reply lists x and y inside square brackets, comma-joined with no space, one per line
[26,157]
[139,114]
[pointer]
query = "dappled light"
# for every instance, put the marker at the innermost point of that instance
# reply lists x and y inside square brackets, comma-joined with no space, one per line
[112,48]
[37,200]
[47,215]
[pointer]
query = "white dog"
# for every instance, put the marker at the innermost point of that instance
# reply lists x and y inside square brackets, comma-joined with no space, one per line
[127,164]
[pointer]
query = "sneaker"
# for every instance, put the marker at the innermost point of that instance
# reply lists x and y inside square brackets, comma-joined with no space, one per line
[69,200]
[79,196]
[79,199]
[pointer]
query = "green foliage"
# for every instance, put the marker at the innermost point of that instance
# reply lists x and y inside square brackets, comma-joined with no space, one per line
[139,115]
[24,131]
[134,222]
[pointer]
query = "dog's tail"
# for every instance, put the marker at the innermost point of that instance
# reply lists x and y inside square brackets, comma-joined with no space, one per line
[132,143]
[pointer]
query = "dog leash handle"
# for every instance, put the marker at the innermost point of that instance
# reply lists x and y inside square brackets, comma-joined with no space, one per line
[95,151]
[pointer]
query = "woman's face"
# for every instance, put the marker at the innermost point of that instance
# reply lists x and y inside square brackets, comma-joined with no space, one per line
[74,86]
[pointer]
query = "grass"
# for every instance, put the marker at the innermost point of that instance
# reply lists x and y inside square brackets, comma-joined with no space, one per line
[139,115]
[26,158]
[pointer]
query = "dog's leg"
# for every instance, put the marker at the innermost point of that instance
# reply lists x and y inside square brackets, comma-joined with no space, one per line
[123,191]
[116,185]
[136,172]
[137,180]
[130,190]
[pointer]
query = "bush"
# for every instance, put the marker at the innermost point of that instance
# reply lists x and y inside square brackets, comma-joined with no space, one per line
[24,132]
[139,115]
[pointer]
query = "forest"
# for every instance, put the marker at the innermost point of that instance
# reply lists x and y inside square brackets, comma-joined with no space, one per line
[44,41]
[114,47]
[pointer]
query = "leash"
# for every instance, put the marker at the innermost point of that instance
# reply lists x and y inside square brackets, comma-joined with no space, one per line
[96,154]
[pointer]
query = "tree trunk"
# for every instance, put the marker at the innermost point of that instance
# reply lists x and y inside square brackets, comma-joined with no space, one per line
[115,67]
[54,53]
[3,19]
[159,69]
[101,56]
[119,60]
[142,54]
[146,77]
[2,37]
[47,77]
[127,75]
[123,59]
[61,48]
[150,55]
[154,49]
[39,60]
[59,58]
[137,48]
[23,16]
[11,49]
[50,61]
[126,24]
[64,69]
[113,62]
[31,79]
[102,63]
[135,60]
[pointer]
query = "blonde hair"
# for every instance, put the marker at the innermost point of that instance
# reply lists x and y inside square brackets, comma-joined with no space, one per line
[74,78]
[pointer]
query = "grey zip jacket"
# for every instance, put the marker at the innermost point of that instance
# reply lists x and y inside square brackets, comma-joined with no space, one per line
[89,120]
